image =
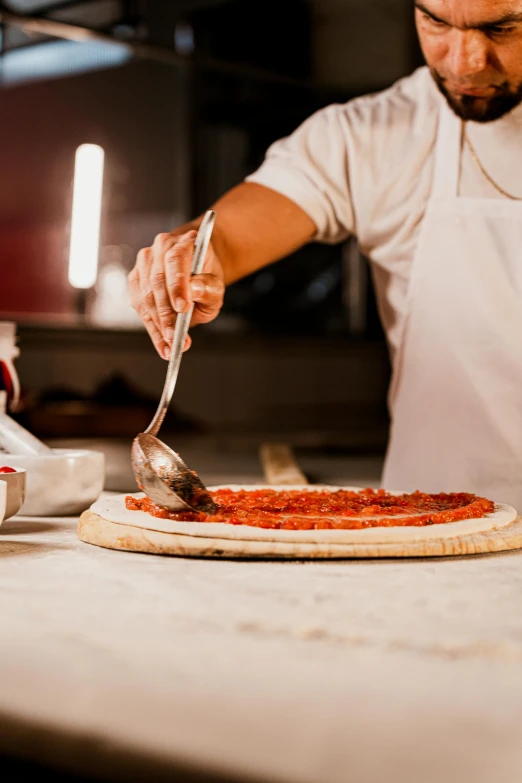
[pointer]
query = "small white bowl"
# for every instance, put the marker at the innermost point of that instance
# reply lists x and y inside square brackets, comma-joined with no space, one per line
[3,500]
[61,485]
[15,489]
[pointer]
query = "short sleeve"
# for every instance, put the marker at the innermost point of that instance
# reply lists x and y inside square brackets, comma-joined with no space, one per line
[310,167]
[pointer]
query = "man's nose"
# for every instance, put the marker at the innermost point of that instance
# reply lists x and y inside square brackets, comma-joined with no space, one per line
[468,53]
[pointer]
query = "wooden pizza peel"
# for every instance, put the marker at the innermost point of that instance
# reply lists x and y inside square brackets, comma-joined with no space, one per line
[281,469]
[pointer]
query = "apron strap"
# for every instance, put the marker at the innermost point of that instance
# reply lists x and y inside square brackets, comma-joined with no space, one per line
[447,154]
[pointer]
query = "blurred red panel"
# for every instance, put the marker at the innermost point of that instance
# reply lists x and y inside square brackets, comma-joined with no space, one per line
[33,270]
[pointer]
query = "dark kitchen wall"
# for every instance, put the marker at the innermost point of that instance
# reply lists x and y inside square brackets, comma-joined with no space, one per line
[286,347]
[175,140]
[135,112]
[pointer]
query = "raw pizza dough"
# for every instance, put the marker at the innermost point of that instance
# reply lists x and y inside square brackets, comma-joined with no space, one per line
[113,510]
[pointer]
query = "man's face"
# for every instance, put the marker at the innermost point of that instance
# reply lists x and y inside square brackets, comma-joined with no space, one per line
[474,51]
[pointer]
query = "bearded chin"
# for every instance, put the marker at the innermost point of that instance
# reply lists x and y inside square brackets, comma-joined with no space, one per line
[474,109]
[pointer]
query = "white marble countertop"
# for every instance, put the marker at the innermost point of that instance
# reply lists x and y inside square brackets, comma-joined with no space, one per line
[293,672]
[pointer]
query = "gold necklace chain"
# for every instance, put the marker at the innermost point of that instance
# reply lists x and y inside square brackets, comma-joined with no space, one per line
[484,172]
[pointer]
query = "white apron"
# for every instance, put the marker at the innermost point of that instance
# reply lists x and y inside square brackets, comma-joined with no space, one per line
[456,393]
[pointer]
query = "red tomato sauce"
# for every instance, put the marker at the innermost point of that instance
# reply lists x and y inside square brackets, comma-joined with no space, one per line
[327,510]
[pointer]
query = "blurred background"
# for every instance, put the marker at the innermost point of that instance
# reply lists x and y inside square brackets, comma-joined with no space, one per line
[184,97]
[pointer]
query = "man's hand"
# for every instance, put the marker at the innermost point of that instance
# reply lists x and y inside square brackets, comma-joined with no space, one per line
[255,227]
[161,286]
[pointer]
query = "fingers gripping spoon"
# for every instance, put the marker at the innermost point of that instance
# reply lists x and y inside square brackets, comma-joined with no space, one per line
[159,471]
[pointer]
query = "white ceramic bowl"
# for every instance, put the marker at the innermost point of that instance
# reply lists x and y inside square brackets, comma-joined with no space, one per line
[15,485]
[63,484]
[3,500]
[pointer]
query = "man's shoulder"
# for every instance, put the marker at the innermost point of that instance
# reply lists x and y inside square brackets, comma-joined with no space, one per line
[409,104]
[390,138]
[390,135]
[415,88]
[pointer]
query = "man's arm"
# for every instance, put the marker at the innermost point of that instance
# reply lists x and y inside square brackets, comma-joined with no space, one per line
[254,227]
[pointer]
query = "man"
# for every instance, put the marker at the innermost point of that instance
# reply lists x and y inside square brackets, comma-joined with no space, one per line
[428,175]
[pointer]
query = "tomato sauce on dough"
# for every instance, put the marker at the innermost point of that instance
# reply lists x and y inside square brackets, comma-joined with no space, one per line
[327,510]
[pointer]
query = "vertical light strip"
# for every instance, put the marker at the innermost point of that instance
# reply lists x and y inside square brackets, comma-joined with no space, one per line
[86,216]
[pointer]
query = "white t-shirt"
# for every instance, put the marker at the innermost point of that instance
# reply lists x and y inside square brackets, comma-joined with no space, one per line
[366,168]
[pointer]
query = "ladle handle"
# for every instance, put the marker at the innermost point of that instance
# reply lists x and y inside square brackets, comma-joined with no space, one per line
[182,325]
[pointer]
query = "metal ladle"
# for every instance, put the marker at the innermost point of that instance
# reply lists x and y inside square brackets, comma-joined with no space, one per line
[159,471]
